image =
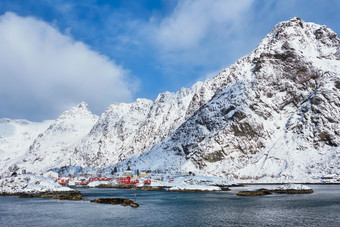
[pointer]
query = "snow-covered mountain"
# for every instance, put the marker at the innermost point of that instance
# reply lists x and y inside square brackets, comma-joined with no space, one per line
[277,115]
[49,149]
[126,130]
[15,138]
[273,115]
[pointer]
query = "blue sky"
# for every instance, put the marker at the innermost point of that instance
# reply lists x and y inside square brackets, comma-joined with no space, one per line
[57,53]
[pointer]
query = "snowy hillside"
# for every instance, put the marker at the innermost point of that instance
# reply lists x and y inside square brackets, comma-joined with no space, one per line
[49,149]
[271,116]
[30,184]
[125,130]
[15,138]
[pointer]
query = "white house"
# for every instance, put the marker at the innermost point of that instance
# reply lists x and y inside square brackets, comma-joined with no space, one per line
[128,173]
[51,174]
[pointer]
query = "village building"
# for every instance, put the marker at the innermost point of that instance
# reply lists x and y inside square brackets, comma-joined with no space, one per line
[128,173]
[51,174]
[143,174]
[124,180]
[62,181]
[99,179]
[147,182]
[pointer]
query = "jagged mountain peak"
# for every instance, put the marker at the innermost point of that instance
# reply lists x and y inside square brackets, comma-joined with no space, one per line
[306,38]
[296,27]
[78,111]
[48,149]
[83,105]
[121,108]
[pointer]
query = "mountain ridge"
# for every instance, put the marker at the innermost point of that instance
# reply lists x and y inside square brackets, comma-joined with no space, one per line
[280,85]
[257,119]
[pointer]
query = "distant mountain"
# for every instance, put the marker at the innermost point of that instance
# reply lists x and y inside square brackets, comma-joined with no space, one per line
[271,116]
[126,130]
[49,149]
[15,138]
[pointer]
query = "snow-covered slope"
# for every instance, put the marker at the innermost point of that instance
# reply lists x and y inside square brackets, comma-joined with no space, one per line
[126,130]
[30,184]
[49,149]
[15,138]
[276,117]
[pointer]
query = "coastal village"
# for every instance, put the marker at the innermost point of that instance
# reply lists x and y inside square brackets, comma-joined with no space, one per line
[63,179]
[123,179]
[74,177]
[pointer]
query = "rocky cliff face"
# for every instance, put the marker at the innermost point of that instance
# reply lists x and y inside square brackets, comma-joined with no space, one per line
[288,83]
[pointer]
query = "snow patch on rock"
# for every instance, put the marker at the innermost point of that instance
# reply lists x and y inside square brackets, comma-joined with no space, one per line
[293,187]
[194,188]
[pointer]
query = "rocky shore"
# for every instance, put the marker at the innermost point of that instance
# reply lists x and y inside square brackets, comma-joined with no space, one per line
[285,189]
[73,195]
[64,195]
[113,201]
[150,188]
[258,192]
[293,191]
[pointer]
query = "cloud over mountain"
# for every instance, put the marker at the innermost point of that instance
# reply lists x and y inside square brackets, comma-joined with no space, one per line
[194,22]
[43,71]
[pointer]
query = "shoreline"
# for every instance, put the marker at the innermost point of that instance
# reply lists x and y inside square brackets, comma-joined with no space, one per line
[328,183]
[76,195]
[223,187]
[162,188]
[73,195]
[61,195]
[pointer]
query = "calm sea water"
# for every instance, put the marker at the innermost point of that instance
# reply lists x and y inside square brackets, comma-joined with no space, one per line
[322,208]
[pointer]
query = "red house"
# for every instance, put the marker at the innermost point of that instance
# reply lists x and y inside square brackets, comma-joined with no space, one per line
[84,182]
[105,179]
[134,181]
[99,179]
[61,181]
[124,180]
[147,182]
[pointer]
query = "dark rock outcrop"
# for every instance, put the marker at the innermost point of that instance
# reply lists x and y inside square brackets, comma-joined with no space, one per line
[263,191]
[67,195]
[293,191]
[258,192]
[113,201]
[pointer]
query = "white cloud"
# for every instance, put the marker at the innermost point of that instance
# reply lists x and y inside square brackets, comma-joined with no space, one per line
[192,22]
[198,37]
[44,71]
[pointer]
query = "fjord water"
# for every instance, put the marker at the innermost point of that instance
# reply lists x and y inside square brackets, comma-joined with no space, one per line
[162,208]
